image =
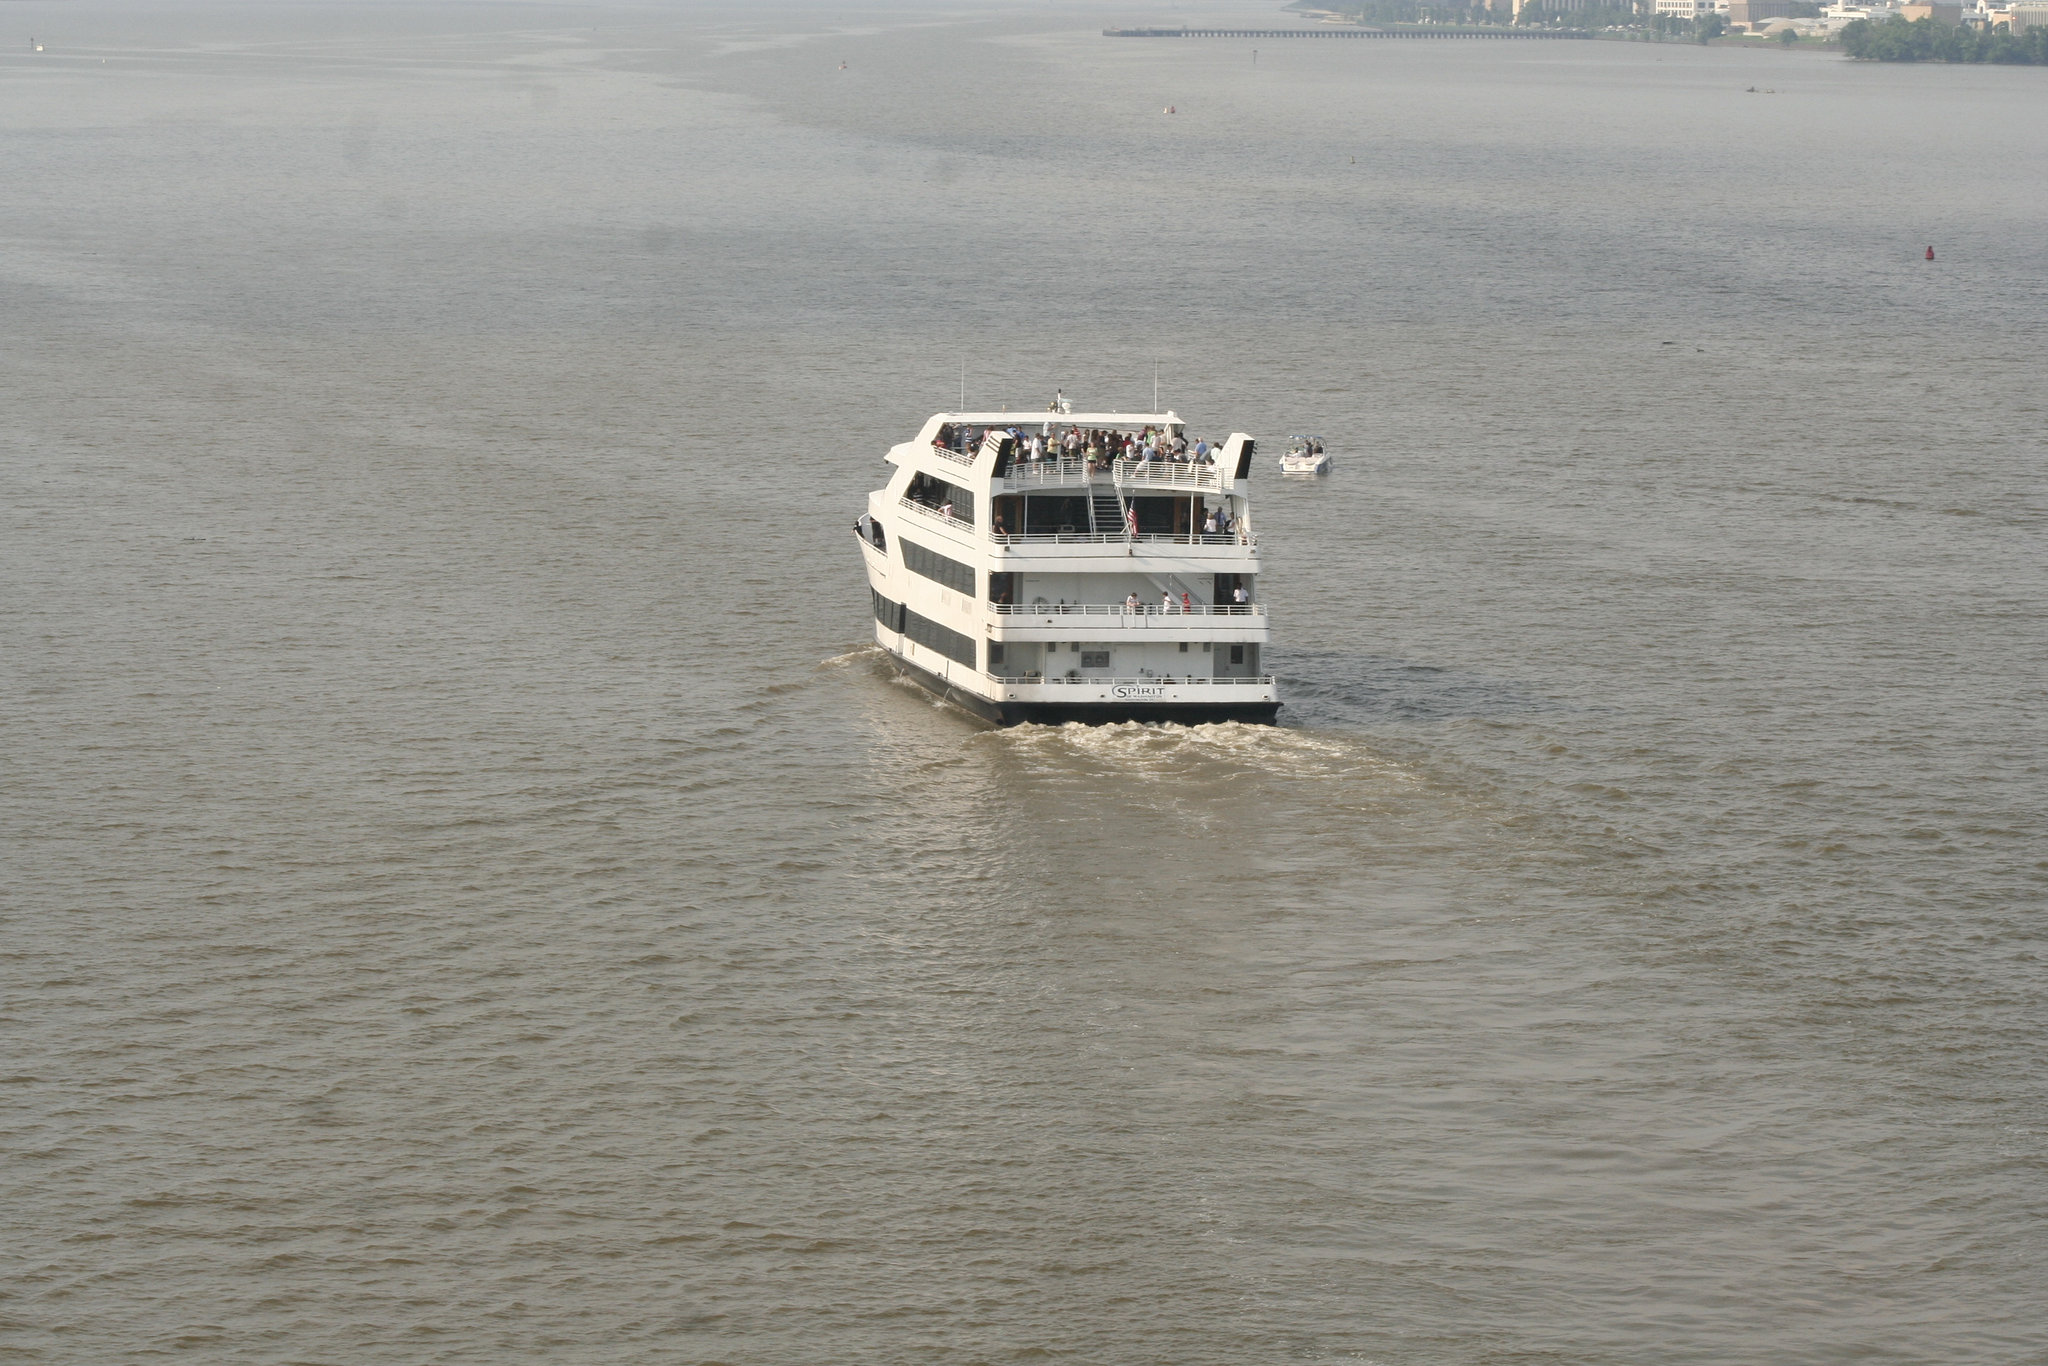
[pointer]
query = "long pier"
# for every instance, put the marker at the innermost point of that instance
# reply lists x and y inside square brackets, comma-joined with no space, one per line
[1446,31]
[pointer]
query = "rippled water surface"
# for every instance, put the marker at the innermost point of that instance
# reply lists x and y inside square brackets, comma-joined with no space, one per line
[473,893]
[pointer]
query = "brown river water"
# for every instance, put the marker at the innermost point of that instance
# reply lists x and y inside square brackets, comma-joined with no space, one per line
[470,890]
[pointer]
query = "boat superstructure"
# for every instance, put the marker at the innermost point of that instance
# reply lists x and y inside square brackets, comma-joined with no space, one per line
[1072,567]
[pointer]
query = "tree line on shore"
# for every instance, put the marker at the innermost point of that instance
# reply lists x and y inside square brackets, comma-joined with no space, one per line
[1893,40]
[1923,40]
[1599,14]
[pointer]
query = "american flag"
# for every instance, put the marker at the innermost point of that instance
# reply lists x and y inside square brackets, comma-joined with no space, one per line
[1131,521]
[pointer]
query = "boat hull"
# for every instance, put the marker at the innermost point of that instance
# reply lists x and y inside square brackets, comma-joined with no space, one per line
[1088,713]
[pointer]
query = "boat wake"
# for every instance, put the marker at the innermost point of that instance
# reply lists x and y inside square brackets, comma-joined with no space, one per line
[1335,688]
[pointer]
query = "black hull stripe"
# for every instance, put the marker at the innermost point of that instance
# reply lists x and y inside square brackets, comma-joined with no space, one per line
[1089,713]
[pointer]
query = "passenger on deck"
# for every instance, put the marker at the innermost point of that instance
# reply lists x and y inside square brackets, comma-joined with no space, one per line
[1209,527]
[1165,601]
[1131,603]
[946,509]
[1241,596]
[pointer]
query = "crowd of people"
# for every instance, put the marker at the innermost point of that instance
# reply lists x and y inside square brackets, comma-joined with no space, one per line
[1098,446]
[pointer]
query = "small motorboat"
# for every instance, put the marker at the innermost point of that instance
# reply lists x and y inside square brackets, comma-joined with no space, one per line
[1305,455]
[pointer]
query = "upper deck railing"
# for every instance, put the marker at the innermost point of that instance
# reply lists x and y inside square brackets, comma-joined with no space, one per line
[937,516]
[1015,538]
[1119,609]
[944,453]
[1176,680]
[1169,474]
[1065,471]
[1072,471]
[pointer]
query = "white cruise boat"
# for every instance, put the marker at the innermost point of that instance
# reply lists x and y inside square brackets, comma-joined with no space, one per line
[1083,583]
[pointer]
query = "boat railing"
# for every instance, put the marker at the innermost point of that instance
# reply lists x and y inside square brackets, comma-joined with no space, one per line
[1168,474]
[1069,470]
[1118,609]
[947,453]
[936,515]
[1243,538]
[1042,473]
[1175,680]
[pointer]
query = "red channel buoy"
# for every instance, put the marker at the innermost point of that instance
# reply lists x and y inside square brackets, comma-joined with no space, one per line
[1930,253]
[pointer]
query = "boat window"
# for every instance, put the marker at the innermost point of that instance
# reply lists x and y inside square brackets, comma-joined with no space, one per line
[1053,514]
[890,614]
[931,635]
[939,494]
[1159,516]
[938,568]
[1002,588]
[995,655]
[1095,659]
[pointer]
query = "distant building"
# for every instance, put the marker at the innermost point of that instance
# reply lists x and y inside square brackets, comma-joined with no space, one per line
[2023,17]
[1692,9]
[1547,6]
[1747,13]
[1947,15]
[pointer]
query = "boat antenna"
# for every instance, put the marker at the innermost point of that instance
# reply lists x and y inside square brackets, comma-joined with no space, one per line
[963,385]
[1155,386]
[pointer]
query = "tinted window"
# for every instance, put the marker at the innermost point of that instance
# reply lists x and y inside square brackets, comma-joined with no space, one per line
[1049,514]
[1161,516]
[935,492]
[931,635]
[936,567]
